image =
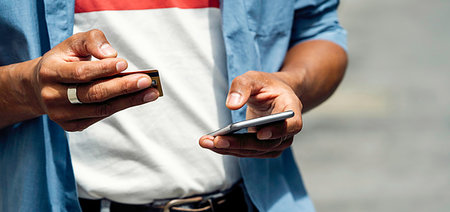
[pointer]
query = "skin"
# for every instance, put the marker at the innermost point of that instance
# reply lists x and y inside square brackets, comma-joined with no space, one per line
[310,73]
[36,87]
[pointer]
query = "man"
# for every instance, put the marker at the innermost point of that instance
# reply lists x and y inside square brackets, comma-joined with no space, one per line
[287,40]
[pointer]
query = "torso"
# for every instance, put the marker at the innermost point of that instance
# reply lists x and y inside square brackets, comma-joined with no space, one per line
[151,151]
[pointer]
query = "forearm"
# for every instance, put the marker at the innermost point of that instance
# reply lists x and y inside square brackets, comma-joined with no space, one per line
[17,100]
[314,69]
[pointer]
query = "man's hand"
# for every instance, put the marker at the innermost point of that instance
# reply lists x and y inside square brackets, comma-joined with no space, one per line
[311,72]
[40,86]
[264,94]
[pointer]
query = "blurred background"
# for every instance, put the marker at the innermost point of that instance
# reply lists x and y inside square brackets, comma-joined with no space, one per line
[382,141]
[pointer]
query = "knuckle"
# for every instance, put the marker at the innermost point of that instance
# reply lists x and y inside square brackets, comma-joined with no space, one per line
[77,41]
[126,88]
[44,73]
[104,110]
[296,128]
[48,96]
[97,93]
[77,73]
[242,80]
[44,70]
[104,66]
[94,34]
[299,126]
[80,73]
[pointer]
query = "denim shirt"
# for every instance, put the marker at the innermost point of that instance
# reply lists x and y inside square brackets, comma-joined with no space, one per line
[35,167]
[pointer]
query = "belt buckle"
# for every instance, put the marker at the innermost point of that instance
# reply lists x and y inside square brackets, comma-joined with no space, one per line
[176,202]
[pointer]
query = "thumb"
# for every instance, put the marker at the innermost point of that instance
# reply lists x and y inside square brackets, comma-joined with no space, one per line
[240,90]
[92,43]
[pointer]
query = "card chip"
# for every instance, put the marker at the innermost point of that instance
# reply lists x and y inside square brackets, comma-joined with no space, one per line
[153,73]
[156,82]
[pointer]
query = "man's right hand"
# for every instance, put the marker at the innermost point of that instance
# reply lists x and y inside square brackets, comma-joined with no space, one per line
[43,88]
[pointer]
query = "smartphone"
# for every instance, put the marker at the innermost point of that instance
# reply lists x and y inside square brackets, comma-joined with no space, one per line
[153,73]
[253,123]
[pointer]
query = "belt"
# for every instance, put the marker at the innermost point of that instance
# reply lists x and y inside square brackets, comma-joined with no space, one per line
[233,199]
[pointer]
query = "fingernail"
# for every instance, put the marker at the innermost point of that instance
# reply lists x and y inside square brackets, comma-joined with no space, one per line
[150,97]
[223,144]
[121,66]
[267,134]
[234,98]
[107,50]
[208,144]
[143,83]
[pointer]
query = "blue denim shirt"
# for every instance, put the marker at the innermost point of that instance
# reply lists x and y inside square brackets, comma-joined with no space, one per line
[35,167]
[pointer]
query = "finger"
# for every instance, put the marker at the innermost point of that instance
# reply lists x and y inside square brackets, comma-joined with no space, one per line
[288,127]
[207,141]
[280,130]
[249,154]
[104,109]
[238,153]
[86,71]
[79,125]
[245,142]
[103,90]
[92,43]
[251,143]
[272,131]
[99,91]
[295,124]
[285,143]
[271,153]
[240,90]
[112,106]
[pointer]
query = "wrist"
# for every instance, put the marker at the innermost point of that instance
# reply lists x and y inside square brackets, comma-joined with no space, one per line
[294,77]
[16,100]
[22,78]
[30,83]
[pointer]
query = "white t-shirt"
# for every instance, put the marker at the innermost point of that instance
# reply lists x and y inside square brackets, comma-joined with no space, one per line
[151,151]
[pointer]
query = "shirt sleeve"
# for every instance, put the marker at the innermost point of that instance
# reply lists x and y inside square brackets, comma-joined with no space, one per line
[317,20]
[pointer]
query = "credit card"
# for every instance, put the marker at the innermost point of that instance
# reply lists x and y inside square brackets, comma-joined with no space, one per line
[153,73]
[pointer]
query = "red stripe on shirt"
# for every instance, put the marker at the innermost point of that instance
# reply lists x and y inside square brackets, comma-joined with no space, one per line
[101,5]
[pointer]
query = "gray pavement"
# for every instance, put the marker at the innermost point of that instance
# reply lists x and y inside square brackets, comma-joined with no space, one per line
[382,142]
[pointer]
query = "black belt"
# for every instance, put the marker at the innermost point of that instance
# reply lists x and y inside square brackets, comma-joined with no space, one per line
[232,199]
